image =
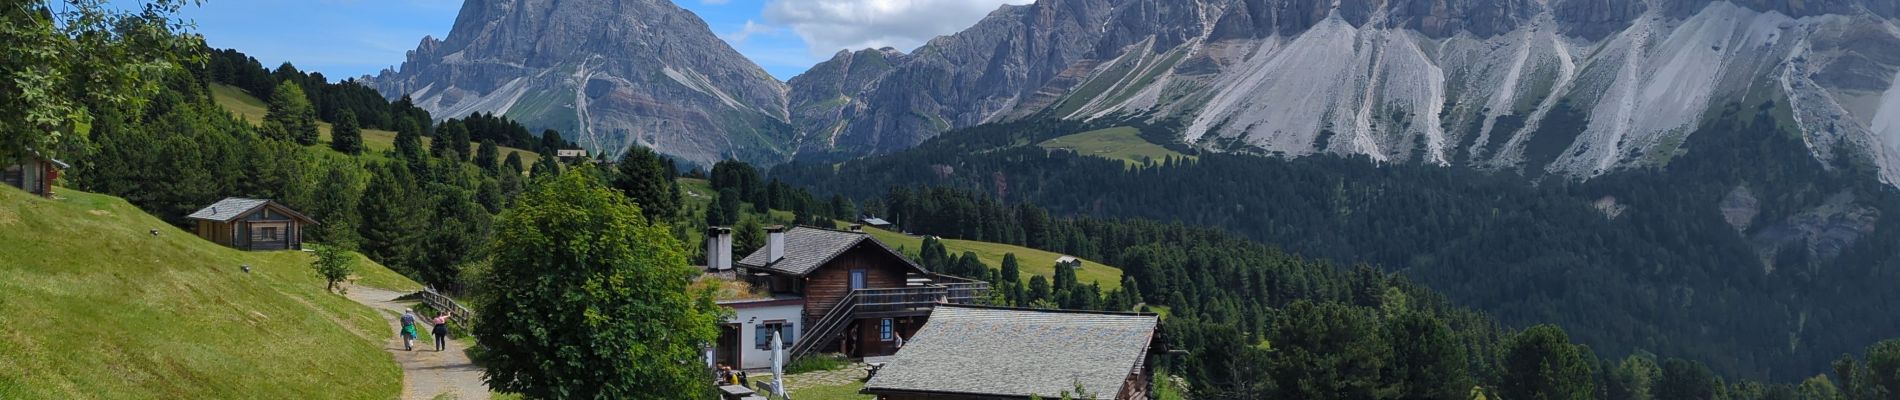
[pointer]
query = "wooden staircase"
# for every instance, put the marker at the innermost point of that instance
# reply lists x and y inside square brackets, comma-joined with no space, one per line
[831,326]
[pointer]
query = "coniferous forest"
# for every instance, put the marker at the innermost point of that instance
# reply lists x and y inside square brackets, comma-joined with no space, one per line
[1633,262]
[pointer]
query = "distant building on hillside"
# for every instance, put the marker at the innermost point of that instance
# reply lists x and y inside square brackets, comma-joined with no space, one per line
[876,222]
[973,352]
[569,155]
[252,224]
[33,173]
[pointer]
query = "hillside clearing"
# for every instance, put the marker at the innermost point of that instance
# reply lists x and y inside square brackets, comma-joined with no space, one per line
[375,141]
[1118,143]
[1033,262]
[98,307]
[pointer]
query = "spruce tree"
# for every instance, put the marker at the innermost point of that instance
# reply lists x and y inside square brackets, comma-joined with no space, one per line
[643,178]
[488,157]
[290,116]
[345,136]
[409,139]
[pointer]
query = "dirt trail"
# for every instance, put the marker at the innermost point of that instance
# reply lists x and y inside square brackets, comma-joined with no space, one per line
[426,373]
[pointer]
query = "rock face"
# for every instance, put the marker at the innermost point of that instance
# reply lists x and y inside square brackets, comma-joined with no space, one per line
[1576,87]
[609,73]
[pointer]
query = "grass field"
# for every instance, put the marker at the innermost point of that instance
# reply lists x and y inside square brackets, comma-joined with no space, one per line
[97,307]
[1119,143]
[1033,262]
[375,140]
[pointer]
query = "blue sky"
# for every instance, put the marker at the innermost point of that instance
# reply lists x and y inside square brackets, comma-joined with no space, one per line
[349,38]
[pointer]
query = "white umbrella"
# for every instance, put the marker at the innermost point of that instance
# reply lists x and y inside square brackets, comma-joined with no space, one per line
[778,366]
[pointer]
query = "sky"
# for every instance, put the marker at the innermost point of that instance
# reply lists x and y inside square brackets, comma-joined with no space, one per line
[350,38]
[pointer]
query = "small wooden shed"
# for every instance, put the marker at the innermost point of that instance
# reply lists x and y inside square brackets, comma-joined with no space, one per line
[252,224]
[32,173]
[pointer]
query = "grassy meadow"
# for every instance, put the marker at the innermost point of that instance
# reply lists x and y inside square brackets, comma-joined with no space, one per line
[98,307]
[1119,143]
[1033,262]
[375,141]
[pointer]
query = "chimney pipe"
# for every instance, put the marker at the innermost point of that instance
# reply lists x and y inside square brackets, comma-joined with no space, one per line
[719,248]
[775,243]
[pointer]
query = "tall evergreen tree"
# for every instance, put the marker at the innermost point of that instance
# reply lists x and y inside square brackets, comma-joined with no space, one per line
[345,136]
[643,179]
[488,157]
[1427,360]
[409,139]
[1327,351]
[395,218]
[1541,364]
[290,116]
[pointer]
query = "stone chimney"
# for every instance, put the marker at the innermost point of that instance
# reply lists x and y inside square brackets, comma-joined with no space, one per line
[775,243]
[718,248]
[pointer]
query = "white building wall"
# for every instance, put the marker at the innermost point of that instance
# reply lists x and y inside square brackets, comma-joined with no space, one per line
[749,318]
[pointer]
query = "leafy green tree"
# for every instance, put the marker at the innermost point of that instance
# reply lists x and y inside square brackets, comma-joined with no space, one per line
[1427,360]
[643,178]
[590,300]
[1818,388]
[1541,364]
[334,264]
[345,136]
[65,56]
[1327,351]
[291,117]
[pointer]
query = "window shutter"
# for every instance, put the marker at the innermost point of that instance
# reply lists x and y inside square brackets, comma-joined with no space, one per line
[786,333]
[763,335]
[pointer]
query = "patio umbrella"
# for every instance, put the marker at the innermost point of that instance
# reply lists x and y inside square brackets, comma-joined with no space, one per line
[778,366]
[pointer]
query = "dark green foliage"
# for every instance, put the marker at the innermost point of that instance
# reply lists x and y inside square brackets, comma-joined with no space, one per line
[1428,362]
[488,157]
[395,218]
[409,140]
[589,300]
[330,101]
[1327,351]
[1542,364]
[345,136]
[725,209]
[1684,380]
[290,116]
[642,177]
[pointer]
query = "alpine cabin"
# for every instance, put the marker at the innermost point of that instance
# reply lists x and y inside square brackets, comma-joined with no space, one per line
[251,224]
[32,173]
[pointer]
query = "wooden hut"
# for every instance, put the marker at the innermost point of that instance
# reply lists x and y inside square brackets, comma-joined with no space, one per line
[32,173]
[252,224]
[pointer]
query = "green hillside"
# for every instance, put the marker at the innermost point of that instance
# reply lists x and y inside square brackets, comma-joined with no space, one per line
[95,306]
[1118,143]
[1033,262]
[375,140]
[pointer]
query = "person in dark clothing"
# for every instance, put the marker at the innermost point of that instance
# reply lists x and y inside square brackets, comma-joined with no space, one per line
[441,331]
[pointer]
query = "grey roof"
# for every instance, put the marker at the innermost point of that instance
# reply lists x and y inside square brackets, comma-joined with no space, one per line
[987,351]
[234,207]
[875,221]
[808,248]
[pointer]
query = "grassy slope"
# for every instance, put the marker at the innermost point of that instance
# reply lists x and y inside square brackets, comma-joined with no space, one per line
[96,307]
[1120,143]
[1033,262]
[377,141]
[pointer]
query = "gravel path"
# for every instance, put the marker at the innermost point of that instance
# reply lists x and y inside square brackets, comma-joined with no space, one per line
[426,373]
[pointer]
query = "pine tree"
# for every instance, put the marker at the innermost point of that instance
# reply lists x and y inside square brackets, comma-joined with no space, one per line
[345,136]
[291,116]
[643,179]
[409,139]
[1541,363]
[488,157]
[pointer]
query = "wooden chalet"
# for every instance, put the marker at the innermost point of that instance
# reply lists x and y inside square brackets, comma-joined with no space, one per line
[974,352]
[33,173]
[860,296]
[252,224]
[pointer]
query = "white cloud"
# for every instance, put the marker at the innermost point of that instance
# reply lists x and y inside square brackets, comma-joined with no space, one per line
[746,32]
[831,25]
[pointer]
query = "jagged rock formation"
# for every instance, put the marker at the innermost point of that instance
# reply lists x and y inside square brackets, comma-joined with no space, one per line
[1576,87]
[610,74]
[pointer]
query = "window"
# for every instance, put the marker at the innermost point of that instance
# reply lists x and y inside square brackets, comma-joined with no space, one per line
[884,330]
[270,233]
[762,334]
[857,279]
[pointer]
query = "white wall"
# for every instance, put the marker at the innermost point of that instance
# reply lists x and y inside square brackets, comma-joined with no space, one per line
[750,356]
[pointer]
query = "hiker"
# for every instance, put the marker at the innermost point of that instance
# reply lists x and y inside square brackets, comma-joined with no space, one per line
[409,330]
[441,331]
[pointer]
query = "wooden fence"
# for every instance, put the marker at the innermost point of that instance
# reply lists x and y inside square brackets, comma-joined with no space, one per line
[461,316]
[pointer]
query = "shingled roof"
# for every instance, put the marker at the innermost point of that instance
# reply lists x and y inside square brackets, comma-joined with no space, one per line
[235,207]
[1005,352]
[808,248]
